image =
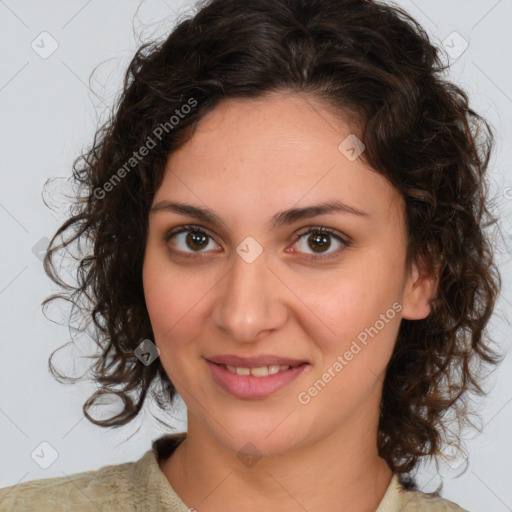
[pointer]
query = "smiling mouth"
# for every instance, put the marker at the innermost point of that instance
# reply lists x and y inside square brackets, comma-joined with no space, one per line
[262,371]
[257,382]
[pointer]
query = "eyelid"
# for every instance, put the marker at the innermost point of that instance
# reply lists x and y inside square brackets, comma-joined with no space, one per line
[323,229]
[187,228]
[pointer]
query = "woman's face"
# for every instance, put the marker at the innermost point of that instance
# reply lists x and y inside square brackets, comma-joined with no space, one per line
[258,285]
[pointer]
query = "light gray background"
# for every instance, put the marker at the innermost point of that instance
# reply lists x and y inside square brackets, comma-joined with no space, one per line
[48,113]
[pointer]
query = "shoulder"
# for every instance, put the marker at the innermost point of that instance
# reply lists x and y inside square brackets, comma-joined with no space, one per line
[398,498]
[107,488]
[417,501]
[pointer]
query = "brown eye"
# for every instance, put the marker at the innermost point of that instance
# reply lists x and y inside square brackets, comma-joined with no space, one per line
[319,240]
[190,239]
[196,240]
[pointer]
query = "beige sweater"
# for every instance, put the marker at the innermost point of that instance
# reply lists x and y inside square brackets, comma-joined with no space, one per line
[141,486]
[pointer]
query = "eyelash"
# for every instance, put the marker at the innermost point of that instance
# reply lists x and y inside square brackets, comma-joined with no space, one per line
[315,229]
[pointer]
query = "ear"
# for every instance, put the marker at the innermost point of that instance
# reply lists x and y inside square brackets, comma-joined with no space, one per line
[420,289]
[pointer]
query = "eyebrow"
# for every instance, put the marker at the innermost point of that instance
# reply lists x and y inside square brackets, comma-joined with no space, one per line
[279,219]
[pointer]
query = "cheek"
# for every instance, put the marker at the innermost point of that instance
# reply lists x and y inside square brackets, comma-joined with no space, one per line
[160,293]
[176,306]
[168,293]
[354,352]
[156,294]
[356,311]
[165,309]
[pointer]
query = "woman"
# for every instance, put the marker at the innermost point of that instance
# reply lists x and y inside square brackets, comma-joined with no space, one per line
[287,213]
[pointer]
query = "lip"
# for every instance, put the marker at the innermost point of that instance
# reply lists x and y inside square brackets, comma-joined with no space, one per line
[254,362]
[250,387]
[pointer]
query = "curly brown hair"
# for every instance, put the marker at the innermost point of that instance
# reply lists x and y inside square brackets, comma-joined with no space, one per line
[360,57]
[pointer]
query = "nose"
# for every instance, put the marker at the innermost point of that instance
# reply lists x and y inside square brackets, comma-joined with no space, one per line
[250,301]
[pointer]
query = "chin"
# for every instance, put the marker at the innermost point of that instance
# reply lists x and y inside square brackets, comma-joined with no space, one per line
[257,441]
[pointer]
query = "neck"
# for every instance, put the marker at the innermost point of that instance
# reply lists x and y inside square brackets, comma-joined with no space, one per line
[341,471]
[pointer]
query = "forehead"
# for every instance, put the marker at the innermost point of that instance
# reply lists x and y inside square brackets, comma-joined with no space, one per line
[271,152]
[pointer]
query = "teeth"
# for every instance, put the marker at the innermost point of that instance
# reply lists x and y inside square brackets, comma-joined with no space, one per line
[263,371]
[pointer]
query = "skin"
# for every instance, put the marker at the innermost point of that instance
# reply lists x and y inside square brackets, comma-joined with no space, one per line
[248,160]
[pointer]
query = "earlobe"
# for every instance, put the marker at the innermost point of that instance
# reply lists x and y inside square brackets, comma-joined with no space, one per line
[419,292]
